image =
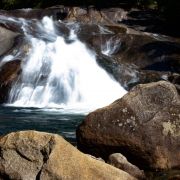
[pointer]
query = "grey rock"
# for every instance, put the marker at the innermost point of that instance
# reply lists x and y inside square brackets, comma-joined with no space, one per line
[6,40]
[121,162]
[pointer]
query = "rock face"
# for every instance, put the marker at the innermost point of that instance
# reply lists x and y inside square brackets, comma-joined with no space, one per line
[134,57]
[144,126]
[9,72]
[36,155]
[93,16]
[6,40]
[120,161]
[139,57]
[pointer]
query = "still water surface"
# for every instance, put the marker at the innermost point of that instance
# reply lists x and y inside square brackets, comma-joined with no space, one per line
[58,121]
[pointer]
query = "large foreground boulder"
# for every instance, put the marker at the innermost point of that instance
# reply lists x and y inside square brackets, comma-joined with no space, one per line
[36,155]
[144,126]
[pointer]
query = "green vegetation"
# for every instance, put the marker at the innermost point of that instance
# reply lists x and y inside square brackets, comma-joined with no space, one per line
[147,3]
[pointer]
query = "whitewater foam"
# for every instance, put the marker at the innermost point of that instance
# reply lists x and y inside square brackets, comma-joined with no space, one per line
[57,74]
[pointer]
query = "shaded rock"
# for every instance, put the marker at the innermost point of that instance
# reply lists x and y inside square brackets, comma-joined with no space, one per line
[149,20]
[120,161]
[172,174]
[13,21]
[91,15]
[175,177]
[138,57]
[83,15]
[136,65]
[6,40]
[38,155]
[54,12]
[143,126]
[9,72]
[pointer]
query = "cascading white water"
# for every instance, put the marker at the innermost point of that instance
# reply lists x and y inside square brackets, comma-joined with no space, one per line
[63,75]
[111,46]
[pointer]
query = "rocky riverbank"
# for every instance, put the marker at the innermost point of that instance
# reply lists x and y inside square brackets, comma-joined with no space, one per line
[143,127]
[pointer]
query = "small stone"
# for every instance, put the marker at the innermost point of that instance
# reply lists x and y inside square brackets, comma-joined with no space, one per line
[120,161]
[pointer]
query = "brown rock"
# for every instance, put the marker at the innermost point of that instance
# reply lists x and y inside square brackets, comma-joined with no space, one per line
[120,161]
[9,72]
[38,155]
[91,15]
[144,126]
[170,174]
[135,57]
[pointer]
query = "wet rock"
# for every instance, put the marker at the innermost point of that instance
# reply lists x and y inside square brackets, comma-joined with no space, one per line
[120,161]
[54,12]
[9,73]
[139,57]
[91,15]
[6,40]
[135,64]
[143,126]
[38,155]
[175,78]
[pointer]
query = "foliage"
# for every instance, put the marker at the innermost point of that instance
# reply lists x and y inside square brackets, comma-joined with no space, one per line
[147,3]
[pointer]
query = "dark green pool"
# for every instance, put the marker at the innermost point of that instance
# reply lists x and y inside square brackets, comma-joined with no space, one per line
[49,120]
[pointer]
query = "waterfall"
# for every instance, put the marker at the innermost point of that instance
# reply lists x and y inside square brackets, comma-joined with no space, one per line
[111,46]
[61,73]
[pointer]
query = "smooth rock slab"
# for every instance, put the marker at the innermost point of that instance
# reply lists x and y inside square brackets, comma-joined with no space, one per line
[144,126]
[6,40]
[31,155]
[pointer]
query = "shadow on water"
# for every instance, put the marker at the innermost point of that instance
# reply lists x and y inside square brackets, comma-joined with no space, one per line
[49,120]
